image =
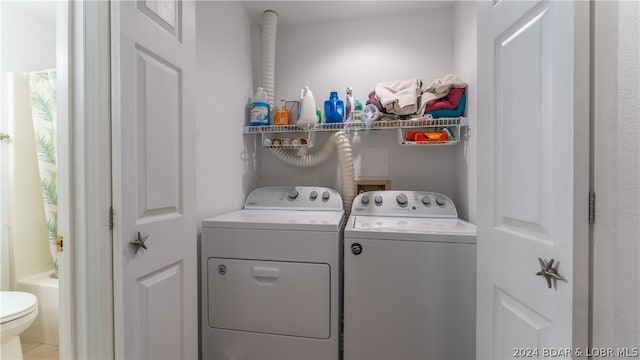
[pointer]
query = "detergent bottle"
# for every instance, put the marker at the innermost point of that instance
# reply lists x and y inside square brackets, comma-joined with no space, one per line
[334,109]
[307,107]
[259,111]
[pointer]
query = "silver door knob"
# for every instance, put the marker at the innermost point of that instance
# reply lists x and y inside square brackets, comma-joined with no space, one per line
[548,271]
[139,242]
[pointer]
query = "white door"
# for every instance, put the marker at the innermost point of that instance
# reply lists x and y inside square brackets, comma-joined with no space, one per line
[153,64]
[533,128]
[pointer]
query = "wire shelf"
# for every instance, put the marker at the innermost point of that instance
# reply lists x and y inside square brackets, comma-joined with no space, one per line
[375,125]
[427,143]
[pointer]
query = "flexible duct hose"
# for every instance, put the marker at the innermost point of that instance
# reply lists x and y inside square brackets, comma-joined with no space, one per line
[347,174]
[338,141]
[268,52]
[291,157]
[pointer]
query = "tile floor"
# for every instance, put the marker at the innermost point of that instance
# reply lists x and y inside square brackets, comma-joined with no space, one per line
[34,350]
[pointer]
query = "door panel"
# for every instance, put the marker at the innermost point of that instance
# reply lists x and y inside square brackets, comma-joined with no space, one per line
[153,72]
[166,14]
[160,312]
[523,73]
[533,178]
[517,326]
[159,155]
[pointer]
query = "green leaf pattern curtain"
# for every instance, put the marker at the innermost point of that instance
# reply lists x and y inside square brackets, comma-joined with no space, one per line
[42,91]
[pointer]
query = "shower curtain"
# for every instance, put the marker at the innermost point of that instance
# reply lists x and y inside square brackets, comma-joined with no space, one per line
[42,92]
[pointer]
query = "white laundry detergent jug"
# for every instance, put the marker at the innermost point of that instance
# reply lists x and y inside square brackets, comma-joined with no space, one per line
[307,107]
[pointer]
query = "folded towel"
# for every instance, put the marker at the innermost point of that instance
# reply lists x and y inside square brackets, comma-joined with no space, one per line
[458,111]
[448,102]
[373,100]
[439,88]
[399,97]
[447,82]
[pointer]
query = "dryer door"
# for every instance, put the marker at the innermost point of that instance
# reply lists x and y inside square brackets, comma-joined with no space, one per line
[283,298]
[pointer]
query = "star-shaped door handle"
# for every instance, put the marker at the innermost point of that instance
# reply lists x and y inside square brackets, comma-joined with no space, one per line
[139,242]
[548,271]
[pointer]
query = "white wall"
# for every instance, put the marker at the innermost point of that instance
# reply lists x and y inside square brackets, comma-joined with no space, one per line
[28,40]
[225,162]
[627,278]
[360,53]
[466,155]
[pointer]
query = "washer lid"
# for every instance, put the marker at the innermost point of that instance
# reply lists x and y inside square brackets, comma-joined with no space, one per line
[15,304]
[413,229]
[278,220]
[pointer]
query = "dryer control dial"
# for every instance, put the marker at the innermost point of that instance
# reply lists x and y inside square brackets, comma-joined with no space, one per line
[325,196]
[402,200]
[440,200]
[364,199]
[426,200]
[378,199]
[313,195]
[292,194]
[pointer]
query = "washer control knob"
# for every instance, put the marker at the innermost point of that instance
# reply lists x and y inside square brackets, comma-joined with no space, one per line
[325,196]
[364,199]
[378,199]
[293,194]
[440,200]
[313,195]
[402,199]
[426,200]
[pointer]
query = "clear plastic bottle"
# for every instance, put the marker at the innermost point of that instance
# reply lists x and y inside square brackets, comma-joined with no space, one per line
[357,110]
[259,111]
[348,105]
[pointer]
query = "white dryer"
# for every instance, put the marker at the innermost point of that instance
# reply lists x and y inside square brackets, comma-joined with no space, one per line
[409,278]
[271,277]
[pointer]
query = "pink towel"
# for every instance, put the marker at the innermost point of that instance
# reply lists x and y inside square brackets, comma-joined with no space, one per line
[448,102]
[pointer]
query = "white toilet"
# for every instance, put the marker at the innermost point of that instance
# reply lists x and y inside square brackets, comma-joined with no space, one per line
[17,312]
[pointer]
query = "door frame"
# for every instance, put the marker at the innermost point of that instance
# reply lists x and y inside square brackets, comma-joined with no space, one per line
[84,138]
[5,279]
[611,147]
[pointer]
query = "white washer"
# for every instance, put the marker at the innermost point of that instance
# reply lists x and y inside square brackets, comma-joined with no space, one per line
[409,278]
[271,276]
